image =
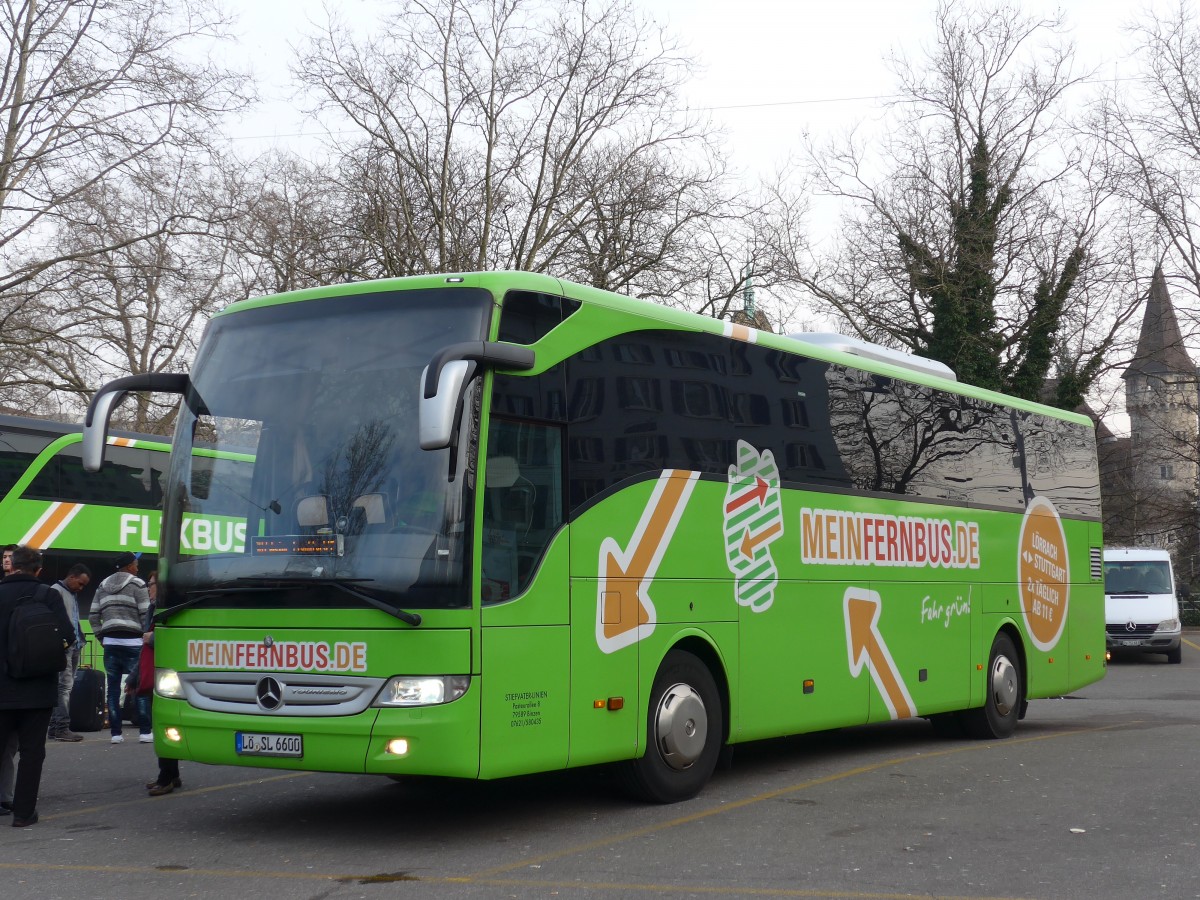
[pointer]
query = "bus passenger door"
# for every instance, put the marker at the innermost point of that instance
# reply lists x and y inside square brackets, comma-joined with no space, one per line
[525,625]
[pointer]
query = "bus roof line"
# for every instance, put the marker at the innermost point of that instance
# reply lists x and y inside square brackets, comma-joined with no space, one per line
[679,319]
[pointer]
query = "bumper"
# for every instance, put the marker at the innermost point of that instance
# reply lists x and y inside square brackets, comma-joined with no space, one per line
[441,740]
[1159,642]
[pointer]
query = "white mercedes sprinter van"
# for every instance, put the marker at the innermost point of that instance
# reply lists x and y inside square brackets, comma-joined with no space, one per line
[1141,611]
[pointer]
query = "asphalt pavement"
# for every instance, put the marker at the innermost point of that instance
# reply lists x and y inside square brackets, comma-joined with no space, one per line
[1094,797]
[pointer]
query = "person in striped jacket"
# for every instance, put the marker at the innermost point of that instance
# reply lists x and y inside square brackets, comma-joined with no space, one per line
[118,610]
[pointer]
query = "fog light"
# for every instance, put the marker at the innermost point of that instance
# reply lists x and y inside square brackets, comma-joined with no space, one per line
[397,746]
[171,733]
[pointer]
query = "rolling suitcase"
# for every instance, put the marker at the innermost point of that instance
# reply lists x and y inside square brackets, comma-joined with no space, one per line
[88,700]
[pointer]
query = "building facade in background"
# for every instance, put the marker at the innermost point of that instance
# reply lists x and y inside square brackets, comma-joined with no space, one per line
[1150,478]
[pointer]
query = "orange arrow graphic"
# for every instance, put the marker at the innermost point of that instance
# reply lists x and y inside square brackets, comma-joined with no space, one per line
[758,492]
[751,542]
[624,604]
[866,645]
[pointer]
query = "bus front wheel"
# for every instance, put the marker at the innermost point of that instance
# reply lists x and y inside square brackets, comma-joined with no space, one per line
[684,732]
[997,718]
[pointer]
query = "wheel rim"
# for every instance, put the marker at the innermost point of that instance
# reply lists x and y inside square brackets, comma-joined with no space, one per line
[1005,690]
[680,726]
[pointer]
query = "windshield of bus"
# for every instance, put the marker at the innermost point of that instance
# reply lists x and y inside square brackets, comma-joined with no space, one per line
[1137,577]
[343,506]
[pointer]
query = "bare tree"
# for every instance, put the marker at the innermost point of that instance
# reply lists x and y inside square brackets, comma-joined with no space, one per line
[89,91]
[151,264]
[971,226]
[292,225]
[1151,127]
[543,135]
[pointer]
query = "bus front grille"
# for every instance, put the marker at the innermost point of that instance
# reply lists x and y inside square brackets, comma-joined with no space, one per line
[279,693]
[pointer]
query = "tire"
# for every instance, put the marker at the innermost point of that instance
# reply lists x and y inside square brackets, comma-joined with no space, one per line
[1175,655]
[685,729]
[998,716]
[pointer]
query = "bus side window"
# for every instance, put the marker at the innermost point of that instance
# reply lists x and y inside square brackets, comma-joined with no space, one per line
[522,506]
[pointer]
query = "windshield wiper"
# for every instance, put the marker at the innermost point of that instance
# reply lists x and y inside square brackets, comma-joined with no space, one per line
[197,597]
[342,584]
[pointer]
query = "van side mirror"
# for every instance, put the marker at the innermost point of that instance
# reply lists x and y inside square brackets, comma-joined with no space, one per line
[105,400]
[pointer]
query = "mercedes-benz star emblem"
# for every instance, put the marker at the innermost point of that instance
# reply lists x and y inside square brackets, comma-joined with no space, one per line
[1131,626]
[269,693]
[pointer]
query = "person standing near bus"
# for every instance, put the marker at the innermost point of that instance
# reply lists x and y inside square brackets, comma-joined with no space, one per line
[68,588]
[27,701]
[118,610]
[168,769]
[8,750]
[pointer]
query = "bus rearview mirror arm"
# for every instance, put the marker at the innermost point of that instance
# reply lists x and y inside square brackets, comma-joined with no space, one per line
[105,400]
[443,379]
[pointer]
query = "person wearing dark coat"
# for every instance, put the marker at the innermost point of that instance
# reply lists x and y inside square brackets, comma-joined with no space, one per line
[26,703]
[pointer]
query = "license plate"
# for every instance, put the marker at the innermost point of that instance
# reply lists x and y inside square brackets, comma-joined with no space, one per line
[1129,643]
[254,744]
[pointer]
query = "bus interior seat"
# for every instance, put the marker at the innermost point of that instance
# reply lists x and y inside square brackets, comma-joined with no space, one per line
[502,472]
[312,512]
[374,507]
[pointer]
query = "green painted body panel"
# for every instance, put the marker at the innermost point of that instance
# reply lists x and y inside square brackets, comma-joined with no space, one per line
[599,735]
[526,699]
[443,740]
[938,624]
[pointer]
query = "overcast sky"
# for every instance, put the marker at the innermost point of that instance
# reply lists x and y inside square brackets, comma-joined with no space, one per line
[771,68]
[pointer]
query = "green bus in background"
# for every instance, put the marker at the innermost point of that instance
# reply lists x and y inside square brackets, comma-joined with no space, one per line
[48,501]
[500,523]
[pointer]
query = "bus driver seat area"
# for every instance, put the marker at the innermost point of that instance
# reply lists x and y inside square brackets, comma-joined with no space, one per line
[313,512]
[374,509]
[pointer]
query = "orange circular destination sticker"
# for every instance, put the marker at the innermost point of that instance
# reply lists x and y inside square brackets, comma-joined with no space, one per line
[1043,573]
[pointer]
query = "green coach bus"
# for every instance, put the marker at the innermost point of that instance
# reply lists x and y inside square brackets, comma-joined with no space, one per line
[499,523]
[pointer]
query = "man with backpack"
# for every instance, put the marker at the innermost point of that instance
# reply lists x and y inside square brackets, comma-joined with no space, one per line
[34,633]
[118,610]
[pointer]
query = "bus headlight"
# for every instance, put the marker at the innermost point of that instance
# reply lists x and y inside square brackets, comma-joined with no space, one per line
[167,684]
[422,690]
[1169,625]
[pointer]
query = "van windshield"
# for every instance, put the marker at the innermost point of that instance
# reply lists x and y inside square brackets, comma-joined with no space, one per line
[1137,577]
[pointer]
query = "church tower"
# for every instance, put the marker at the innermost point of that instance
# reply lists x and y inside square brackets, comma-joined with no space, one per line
[1161,400]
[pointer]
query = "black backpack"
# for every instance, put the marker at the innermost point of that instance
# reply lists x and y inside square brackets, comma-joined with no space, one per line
[36,647]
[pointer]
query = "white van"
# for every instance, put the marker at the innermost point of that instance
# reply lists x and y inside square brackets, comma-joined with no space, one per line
[1141,611]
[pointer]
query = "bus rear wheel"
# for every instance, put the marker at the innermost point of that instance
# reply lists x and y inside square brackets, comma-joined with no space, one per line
[997,718]
[684,732]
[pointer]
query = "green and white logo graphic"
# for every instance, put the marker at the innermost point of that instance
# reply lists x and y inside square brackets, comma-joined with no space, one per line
[753,519]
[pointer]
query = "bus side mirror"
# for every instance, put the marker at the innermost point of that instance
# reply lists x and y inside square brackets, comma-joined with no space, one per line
[435,415]
[105,400]
[442,383]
